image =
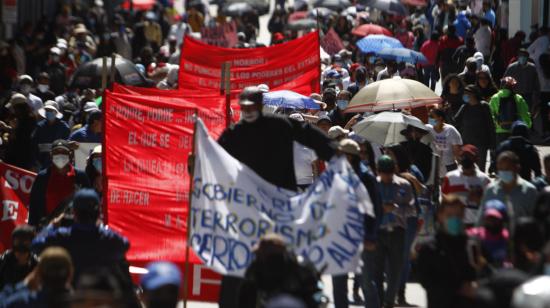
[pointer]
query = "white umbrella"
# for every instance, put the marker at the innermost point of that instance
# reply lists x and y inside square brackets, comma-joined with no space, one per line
[391,94]
[385,128]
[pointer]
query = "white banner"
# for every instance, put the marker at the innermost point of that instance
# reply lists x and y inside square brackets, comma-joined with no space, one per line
[232,207]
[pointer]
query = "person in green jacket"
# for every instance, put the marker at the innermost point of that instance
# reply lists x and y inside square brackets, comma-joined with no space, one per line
[508,107]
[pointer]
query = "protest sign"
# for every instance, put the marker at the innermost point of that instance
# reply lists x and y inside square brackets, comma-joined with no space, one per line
[232,207]
[15,190]
[81,154]
[147,142]
[331,42]
[274,65]
[224,35]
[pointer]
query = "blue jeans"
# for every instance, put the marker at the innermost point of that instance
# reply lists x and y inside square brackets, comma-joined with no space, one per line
[410,235]
[390,252]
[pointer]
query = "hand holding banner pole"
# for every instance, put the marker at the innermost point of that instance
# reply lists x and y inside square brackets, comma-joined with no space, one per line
[187,244]
[227,85]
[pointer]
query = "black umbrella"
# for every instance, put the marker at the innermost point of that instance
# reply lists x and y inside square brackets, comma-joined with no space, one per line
[302,24]
[336,5]
[261,6]
[238,9]
[88,75]
[395,7]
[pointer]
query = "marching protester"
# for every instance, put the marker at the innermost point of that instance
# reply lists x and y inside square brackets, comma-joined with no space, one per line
[437,215]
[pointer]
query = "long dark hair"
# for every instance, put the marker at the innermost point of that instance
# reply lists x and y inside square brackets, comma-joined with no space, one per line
[447,81]
[401,157]
[492,86]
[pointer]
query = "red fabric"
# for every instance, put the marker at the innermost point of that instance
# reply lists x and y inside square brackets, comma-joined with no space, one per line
[450,43]
[272,65]
[406,38]
[141,5]
[430,49]
[368,29]
[15,189]
[60,186]
[415,2]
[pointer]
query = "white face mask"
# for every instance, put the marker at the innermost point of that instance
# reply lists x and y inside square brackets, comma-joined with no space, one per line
[250,116]
[43,88]
[60,160]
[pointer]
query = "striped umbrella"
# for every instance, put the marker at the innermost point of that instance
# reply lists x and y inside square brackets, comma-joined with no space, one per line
[377,42]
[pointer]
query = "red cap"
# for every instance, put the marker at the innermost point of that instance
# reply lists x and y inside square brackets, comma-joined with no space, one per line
[493,213]
[470,150]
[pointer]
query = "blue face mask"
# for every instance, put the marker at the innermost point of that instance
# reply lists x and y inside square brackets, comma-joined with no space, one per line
[50,116]
[342,104]
[372,60]
[454,226]
[432,121]
[507,177]
[97,165]
[466,98]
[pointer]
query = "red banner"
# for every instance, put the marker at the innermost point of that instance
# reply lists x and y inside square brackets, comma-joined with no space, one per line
[275,66]
[147,142]
[15,190]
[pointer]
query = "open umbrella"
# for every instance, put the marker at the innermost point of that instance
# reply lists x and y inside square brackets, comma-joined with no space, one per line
[369,29]
[261,6]
[289,99]
[238,9]
[391,94]
[336,5]
[385,128]
[394,7]
[375,43]
[323,12]
[402,55]
[302,24]
[417,3]
[297,16]
[88,75]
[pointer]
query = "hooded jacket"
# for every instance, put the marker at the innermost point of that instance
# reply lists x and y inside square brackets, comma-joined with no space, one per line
[521,108]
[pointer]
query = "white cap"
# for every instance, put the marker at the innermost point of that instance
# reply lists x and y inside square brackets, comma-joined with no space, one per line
[336,132]
[55,51]
[90,106]
[298,117]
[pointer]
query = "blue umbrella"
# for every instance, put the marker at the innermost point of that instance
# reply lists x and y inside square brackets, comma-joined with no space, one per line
[402,55]
[376,42]
[289,99]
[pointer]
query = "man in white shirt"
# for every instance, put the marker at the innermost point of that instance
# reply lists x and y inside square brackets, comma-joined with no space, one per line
[304,160]
[389,72]
[483,38]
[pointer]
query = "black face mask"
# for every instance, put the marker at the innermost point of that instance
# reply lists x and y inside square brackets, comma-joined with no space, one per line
[467,163]
[494,229]
[21,247]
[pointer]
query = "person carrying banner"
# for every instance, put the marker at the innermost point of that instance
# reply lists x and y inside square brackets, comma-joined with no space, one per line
[54,186]
[265,144]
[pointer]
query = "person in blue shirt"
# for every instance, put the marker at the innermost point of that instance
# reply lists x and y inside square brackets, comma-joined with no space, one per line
[462,24]
[51,128]
[489,13]
[91,132]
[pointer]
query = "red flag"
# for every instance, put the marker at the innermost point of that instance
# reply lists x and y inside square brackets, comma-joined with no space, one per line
[15,190]
[274,66]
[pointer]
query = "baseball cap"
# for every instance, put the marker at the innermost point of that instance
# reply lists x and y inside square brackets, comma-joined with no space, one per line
[296,116]
[336,131]
[470,151]
[90,106]
[24,78]
[493,213]
[161,274]
[61,144]
[324,118]
[97,150]
[497,205]
[55,51]
[385,164]
[349,146]
[16,99]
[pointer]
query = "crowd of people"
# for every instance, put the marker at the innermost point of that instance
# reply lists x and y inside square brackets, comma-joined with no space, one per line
[462,205]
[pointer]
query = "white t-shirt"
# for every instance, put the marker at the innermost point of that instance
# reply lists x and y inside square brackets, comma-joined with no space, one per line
[443,143]
[303,168]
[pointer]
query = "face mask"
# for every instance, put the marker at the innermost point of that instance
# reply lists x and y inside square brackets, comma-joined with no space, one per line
[432,121]
[342,104]
[494,229]
[21,247]
[97,165]
[43,88]
[507,177]
[372,60]
[454,226]
[522,60]
[50,116]
[506,92]
[466,98]
[60,160]
[467,163]
[25,89]
[250,116]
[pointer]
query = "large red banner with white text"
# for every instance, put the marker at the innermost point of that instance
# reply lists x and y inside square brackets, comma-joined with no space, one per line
[147,142]
[200,65]
[15,191]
